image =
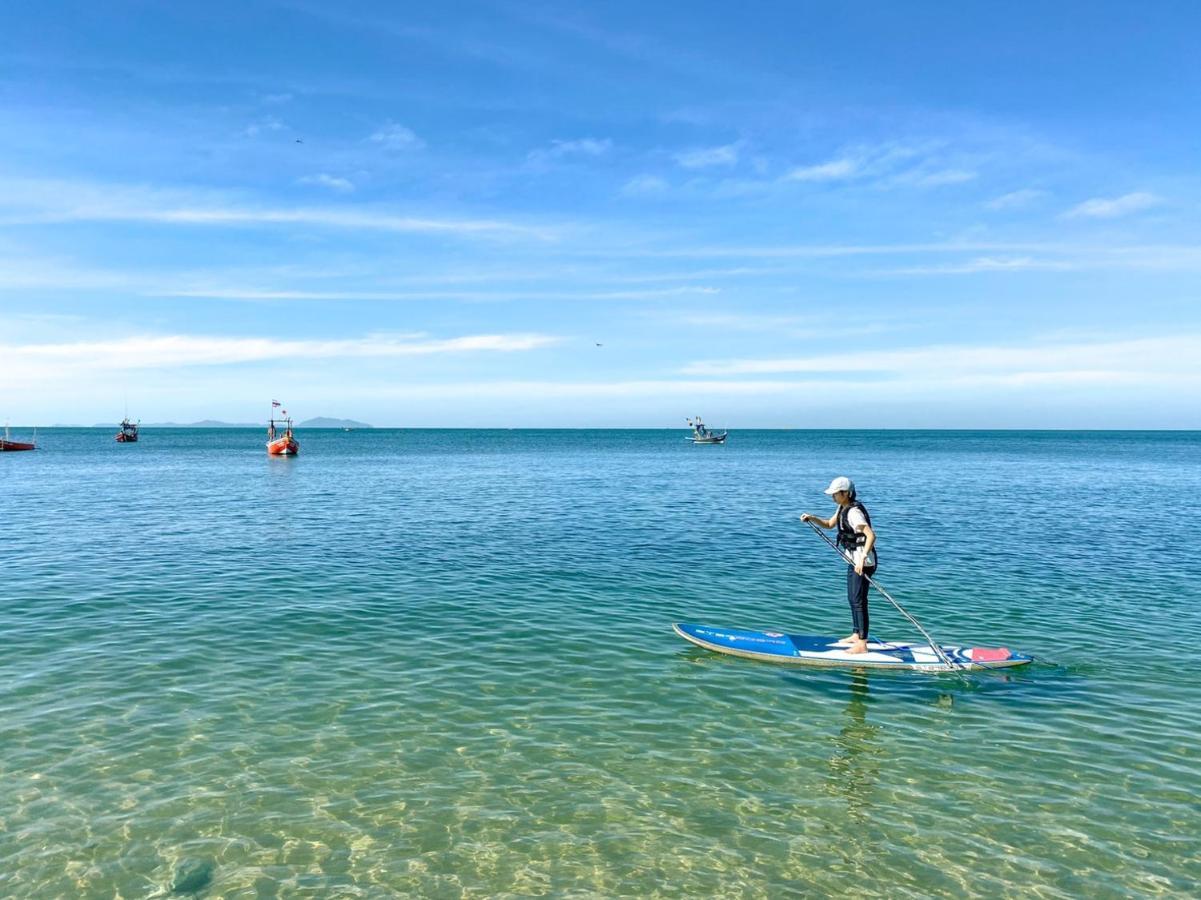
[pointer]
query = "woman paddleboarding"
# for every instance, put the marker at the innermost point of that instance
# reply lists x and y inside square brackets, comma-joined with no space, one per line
[857,540]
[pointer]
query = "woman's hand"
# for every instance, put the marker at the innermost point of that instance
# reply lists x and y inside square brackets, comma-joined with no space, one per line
[805,517]
[859,565]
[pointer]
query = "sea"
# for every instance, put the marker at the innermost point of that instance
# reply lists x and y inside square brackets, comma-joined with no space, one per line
[440,663]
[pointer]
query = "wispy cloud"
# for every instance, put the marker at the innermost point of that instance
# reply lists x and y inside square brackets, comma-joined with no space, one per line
[860,162]
[1139,361]
[936,178]
[496,294]
[1113,207]
[1016,199]
[333,182]
[834,170]
[996,254]
[582,146]
[578,147]
[779,325]
[322,279]
[177,351]
[456,43]
[269,123]
[707,157]
[392,136]
[26,201]
[890,164]
[821,251]
[987,264]
[698,389]
[743,321]
[644,184]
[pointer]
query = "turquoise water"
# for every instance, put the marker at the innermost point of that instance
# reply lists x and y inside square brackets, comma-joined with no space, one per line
[440,663]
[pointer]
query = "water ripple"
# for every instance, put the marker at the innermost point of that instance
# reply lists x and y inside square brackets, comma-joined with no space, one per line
[440,664]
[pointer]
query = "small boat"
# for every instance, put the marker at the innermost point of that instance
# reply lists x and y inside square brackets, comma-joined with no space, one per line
[128,433]
[6,443]
[280,440]
[703,434]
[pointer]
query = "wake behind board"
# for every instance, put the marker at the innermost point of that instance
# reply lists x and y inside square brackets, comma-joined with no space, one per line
[811,650]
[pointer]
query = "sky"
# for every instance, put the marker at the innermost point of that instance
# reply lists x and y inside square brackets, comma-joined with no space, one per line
[770,214]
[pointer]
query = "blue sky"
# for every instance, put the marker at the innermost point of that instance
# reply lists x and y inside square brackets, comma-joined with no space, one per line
[772,214]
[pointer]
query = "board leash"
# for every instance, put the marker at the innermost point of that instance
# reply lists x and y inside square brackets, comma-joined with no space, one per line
[951,665]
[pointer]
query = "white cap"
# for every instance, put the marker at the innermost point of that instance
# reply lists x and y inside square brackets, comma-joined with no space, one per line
[841,483]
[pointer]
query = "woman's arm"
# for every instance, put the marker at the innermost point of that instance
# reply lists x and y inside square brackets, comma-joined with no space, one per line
[867,548]
[824,523]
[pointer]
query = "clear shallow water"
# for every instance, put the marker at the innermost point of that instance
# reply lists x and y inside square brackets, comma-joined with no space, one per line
[441,663]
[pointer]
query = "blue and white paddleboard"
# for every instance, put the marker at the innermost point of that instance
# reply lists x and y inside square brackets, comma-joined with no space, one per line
[810,650]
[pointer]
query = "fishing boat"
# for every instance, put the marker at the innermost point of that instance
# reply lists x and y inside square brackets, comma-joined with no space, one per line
[128,433]
[703,434]
[280,440]
[7,443]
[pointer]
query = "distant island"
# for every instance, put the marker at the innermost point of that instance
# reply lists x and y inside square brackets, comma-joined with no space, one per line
[325,422]
[203,423]
[319,422]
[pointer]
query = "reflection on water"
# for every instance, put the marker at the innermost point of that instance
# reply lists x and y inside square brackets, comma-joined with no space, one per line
[855,763]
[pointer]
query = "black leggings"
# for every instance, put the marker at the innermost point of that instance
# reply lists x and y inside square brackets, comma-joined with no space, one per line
[857,588]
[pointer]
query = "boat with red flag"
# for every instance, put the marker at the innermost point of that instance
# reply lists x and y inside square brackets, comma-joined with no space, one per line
[280,440]
[7,443]
[128,433]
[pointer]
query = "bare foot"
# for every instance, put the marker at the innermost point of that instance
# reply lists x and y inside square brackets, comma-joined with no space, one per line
[857,647]
[849,639]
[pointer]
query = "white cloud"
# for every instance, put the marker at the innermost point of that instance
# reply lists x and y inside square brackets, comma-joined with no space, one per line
[1015,199]
[333,182]
[562,148]
[177,351]
[1112,207]
[582,146]
[987,264]
[1139,361]
[890,163]
[745,321]
[938,178]
[706,157]
[392,136]
[27,201]
[644,184]
[834,170]
[270,123]
[507,293]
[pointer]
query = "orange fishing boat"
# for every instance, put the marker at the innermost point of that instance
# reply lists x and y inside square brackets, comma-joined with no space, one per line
[128,433]
[7,443]
[280,440]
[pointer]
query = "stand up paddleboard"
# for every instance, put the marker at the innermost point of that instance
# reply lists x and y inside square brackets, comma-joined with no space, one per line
[811,650]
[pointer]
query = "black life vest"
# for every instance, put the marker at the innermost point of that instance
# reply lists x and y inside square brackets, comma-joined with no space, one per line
[848,537]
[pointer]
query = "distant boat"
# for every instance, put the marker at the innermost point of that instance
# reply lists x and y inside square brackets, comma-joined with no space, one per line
[702,434]
[280,440]
[6,443]
[128,433]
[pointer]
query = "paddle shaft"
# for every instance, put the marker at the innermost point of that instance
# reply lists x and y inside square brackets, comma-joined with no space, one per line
[938,651]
